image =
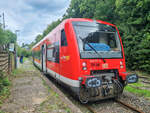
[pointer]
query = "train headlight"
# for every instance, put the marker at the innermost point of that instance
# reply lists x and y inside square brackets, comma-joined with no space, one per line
[84,68]
[133,78]
[84,64]
[121,66]
[121,63]
[93,82]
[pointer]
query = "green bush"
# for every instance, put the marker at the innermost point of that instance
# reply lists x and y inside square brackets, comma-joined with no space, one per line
[23,51]
[6,36]
[4,83]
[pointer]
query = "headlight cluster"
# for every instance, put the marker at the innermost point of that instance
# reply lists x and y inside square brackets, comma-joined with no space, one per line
[121,65]
[133,78]
[84,66]
[93,82]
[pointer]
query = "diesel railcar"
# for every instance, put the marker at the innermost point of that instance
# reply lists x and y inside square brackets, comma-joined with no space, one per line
[87,56]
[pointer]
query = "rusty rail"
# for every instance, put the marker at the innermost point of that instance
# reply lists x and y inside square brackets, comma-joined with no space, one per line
[125,105]
[90,109]
[144,77]
[128,106]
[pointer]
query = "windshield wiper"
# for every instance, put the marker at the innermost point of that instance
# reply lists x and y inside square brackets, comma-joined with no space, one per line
[93,49]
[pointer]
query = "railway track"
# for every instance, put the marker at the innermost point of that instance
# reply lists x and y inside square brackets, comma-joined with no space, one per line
[144,77]
[129,106]
[124,105]
[92,109]
[147,82]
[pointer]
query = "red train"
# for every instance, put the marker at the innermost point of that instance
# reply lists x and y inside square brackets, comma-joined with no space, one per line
[87,56]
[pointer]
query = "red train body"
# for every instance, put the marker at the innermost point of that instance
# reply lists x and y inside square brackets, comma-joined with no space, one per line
[87,56]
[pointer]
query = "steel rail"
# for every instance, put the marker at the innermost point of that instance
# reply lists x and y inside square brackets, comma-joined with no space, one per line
[147,82]
[128,106]
[144,77]
[125,105]
[90,109]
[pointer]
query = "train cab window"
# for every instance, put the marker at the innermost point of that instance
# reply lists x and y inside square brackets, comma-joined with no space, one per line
[63,38]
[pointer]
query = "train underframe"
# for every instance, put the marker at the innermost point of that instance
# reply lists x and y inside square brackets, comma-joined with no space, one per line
[110,86]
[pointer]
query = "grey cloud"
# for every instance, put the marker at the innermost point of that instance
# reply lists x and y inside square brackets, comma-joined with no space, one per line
[50,6]
[31,17]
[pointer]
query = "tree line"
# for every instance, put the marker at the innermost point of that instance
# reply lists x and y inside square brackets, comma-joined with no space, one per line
[132,18]
[7,36]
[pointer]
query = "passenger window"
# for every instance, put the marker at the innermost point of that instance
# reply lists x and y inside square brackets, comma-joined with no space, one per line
[49,53]
[63,38]
[36,54]
[53,52]
[56,52]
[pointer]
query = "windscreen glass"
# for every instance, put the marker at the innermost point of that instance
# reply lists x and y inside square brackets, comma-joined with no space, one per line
[92,36]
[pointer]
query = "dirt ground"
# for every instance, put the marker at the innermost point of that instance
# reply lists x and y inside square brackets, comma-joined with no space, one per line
[29,93]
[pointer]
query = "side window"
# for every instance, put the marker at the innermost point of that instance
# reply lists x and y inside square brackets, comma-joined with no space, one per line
[53,52]
[56,52]
[36,54]
[63,38]
[49,53]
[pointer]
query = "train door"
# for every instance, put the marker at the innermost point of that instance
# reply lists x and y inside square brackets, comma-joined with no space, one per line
[56,52]
[44,58]
[64,58]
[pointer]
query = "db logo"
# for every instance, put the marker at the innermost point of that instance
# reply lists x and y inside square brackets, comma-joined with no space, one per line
[105,65]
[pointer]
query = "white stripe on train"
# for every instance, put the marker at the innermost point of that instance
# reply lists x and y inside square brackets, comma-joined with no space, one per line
[68,81]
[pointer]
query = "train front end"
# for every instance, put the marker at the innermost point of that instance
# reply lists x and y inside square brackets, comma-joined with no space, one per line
[102,62]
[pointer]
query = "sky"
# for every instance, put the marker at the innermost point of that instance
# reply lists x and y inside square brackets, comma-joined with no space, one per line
[31,17]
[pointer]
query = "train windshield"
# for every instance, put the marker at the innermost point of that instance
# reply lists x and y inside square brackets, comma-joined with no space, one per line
[102,38]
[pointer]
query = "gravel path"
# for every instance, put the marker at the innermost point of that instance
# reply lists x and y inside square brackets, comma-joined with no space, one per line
[141,103]
[30,95]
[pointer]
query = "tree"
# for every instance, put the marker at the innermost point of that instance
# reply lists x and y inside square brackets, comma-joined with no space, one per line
[6,36]
[132,17]
[50,27]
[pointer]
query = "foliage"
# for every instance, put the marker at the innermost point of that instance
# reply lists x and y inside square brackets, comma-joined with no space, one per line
[23,51]
[132,18]
[4,83]
[6,36]
[141,92]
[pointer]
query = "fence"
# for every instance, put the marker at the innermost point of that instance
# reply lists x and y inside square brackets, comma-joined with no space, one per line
[7,63]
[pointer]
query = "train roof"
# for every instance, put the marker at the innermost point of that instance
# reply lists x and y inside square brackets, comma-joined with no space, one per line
[70,20]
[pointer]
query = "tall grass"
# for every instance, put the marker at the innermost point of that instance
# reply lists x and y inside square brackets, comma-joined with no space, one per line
[4,86]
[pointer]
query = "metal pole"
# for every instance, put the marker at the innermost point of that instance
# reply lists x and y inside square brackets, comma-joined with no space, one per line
[3,21]
[0,21]
[15,56]
[16,50]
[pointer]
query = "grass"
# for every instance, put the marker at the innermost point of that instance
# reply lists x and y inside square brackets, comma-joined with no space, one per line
[2,111]
[140,92]
[132,87]
[137,84]
[24,59]
[17,71]
[4,87]
[5,83]
[53,96]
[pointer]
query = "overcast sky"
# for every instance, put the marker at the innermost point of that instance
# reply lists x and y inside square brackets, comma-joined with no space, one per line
[31,17]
